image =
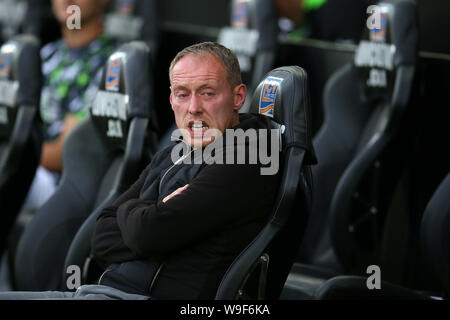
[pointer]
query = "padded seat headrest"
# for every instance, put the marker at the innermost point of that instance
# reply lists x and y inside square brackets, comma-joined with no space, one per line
[390,41]
[124,92]
[20,71]
[283,95]
[127,72]
[20,79]
[394,22]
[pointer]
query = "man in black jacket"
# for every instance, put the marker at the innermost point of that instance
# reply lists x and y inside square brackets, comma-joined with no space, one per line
[176,231]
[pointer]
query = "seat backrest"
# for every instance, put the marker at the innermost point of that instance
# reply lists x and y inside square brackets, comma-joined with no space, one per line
[252,36]
[283,96]
[20,127]
[365,103]
[435,235]
[435,247]
[102,156]
[128,20]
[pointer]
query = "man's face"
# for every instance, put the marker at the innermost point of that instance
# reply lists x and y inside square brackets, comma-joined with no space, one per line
[202,98]
[90,9]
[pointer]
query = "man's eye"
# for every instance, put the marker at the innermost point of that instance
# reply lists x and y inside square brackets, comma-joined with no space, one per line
[208,94]
[181,95]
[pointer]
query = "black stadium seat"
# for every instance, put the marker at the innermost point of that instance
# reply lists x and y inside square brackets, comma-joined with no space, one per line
[435,241]
[365,103]
[20,126]
[252,36]
[102,156]
[292,117]
[260,271]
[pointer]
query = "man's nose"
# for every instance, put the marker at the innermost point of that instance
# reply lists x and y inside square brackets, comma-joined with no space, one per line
[195,105]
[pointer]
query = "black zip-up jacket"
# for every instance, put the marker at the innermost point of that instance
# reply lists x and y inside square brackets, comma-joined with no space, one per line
[181,249]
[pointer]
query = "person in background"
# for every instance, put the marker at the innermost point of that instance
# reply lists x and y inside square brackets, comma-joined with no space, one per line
[72,68]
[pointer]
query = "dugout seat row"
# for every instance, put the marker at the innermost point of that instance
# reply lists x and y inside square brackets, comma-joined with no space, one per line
[359,149]
[102,156]
[365,105]
[105,153]
[20,126]
[98,171]
[252,275]
[139,20]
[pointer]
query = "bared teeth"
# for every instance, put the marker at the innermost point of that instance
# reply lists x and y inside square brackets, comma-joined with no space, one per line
[199,126]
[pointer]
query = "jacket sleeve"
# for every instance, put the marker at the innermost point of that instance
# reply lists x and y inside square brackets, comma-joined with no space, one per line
[217,197]
[107,242]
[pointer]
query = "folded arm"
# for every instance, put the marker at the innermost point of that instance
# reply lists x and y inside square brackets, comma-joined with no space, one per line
[107,242]
[219,196]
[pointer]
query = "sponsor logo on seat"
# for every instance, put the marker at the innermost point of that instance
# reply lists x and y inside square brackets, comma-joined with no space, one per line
[378,21]
[379,34]
[113,75]
[5,65]
[239,18]
[268,96]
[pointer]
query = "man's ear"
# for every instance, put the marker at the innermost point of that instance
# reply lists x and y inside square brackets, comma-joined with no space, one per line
[240,92]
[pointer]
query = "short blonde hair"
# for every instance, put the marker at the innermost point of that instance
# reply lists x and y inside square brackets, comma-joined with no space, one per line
[225,56]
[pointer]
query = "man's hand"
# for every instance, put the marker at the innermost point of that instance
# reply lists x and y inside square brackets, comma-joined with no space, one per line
[176,192]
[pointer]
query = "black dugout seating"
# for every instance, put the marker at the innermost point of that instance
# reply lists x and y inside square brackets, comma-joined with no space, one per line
[365,103]
[20,125]
[134,20]
[267,253]
[435,241]
[102,156]
[252,36]
[260,271]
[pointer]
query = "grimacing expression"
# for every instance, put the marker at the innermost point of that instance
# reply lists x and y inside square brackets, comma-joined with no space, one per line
[202,97]
[90,9]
